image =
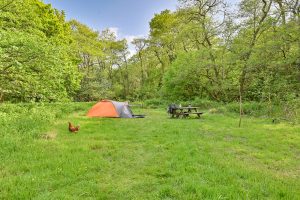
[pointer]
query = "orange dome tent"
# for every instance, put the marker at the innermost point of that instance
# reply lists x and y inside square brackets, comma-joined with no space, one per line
[108,108]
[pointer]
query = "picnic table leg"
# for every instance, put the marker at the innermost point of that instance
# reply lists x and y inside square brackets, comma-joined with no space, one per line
[180,114]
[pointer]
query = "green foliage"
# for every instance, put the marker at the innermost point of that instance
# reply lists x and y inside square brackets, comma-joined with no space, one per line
[249,108]
[24,121]
[99,54]
[156,103]
[34,69]
[36,61]
[189,77]
[36,18]
[257,58]
[204,103]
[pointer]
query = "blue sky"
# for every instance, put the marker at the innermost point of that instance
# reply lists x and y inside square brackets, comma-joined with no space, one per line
[129,18]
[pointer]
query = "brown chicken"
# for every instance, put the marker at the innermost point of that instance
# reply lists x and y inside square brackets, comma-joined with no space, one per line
[73,129]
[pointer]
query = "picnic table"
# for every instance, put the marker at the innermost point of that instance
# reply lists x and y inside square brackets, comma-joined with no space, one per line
[184,112]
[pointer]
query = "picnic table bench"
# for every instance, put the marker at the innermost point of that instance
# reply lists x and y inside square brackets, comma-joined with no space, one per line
[184,112]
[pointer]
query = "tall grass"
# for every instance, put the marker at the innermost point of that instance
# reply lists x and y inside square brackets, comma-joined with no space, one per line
[284,111]
[29,120]
[21,123]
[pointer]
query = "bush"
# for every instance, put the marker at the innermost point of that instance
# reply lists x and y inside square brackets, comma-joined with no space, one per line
[20,123]
[219,110]
[205,103]
[249,108]
[287,111]
[30,120]
[155,103]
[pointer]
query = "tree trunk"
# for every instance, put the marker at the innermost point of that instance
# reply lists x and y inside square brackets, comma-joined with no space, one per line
[142,69]
[126,76]
[282,11]
[1,96]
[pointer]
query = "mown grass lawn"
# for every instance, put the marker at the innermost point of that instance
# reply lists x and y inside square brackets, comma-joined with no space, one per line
[156,158]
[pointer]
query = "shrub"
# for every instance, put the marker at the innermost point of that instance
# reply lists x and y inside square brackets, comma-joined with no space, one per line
[219,110]
[155,103]
[249,108]
[205,103]
[287,111]
[30,120]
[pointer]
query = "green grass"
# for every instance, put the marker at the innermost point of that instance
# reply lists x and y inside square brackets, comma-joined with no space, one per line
[154,158]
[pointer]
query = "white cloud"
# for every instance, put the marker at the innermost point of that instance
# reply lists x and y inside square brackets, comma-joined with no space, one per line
[130,38]
[114,30]
[131,50]
[131,47]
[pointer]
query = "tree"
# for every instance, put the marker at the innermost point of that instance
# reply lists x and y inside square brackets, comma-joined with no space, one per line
[140,44]
[34,49]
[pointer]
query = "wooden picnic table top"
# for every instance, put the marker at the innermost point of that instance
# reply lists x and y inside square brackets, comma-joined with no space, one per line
[181,108]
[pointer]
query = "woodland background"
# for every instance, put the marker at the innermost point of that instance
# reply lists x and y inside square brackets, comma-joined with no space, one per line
[205,51]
